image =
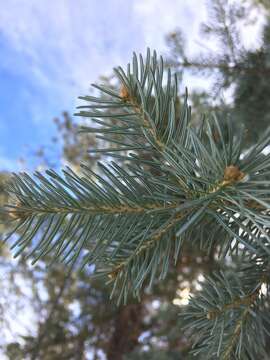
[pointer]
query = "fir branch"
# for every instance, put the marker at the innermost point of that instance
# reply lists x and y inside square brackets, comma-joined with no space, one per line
[176,184]
[228,307]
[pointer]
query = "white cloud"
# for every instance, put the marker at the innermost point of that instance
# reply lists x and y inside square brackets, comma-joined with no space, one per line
[159,18]
[62,46]
[65,44]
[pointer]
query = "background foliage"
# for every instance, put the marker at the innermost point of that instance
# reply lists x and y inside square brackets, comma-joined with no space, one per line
[76,319]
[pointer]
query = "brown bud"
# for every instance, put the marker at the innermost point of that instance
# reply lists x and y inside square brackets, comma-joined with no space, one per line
[232,174]
[113,275]
[17,212]
[124,94]
[211,315]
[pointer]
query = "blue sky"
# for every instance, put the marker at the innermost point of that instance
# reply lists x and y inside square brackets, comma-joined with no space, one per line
[51,51]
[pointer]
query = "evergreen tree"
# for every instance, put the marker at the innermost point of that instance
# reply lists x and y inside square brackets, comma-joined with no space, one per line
[196,188]
[233,68]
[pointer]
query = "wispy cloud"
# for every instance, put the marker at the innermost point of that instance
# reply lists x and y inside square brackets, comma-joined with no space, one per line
[52,50]
[64,45]
[69,43]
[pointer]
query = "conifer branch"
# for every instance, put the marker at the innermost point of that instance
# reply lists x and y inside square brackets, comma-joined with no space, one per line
[130,221]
